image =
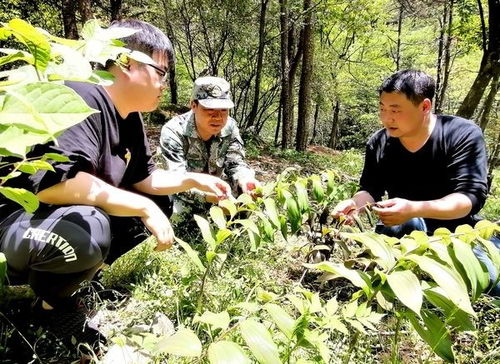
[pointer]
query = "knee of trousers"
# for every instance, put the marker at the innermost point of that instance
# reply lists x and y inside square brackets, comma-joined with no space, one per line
[91,246]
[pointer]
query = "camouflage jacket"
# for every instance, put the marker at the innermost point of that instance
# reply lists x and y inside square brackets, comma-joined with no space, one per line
[183,150]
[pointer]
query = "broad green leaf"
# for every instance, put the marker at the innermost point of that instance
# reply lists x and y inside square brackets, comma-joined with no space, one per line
[334,323]
[3,269]
[183,343]
[466,233]
[55,157]
[260,342]
[216,320]
[477,275]
[317,190]
[218,217]
[229,206]
[17,56]
[266,296]
[406,287]
[317,340]
[36,42]
[210,254]
[486,228]
[31,167]
[73,66]
[302,198]
[222,235]
[358,278]
[377,245]
[434,333]
[271,212]
[248,225]
[442,251]
[294,214]
[332,306]
[17,142]
[454,315]
[192,254]
[281,318]
[23,197]
[43,107]
[491,250]
[226,352]
[206,231]
[448,279]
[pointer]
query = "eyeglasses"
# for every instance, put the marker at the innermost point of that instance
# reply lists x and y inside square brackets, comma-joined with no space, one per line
[161,72]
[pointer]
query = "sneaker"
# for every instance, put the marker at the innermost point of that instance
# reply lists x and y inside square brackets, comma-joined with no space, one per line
[71,326]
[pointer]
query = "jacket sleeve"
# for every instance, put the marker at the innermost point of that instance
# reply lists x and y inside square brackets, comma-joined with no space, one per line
[172,149]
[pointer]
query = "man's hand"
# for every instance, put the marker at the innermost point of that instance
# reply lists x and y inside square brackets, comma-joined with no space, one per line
[159,225]
[211,184]
[394,211]
[346,209]
[248,185]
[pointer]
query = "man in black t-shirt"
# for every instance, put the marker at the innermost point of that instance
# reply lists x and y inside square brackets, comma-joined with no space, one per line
[433,168]
[90,205]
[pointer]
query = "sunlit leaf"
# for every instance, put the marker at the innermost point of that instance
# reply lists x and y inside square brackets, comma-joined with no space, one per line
[434,333]
[226,352]
[271,212]
[192,254]
[359,279]
[260,342]
[3,269]
[206,231]
[281,318]
[302,198]
[377,245]
[406,287]
[476,274]
[229,206]
[216,320]
[217,216]
[21,196]
[449,280]
[183,343]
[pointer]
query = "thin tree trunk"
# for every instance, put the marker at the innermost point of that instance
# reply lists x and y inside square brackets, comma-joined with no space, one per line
[332,143]
[85,9]
[260,58]
[171,69]
[69,19]
[398,44]
[285,69]
[447,59]
[440,58]
[315,125]
[304,110]
[115,9]
[490,62]
[488,103]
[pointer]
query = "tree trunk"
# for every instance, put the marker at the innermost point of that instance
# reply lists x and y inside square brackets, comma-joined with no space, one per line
[172,81]
[398,44]
[490,62]
[115,9]
[488,103]
[85,9]
[285,101]
[315,125]
[447,58]
[69,19]
[304,111]
[332,143]
[260,58]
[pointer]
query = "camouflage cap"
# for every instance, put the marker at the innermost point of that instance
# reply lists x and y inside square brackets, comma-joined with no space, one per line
[212,93]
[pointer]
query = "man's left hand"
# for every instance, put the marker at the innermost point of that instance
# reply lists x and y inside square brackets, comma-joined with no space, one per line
[248,185]
[394,211]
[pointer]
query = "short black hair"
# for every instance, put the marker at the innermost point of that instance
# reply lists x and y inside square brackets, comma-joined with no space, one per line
[149,39]
[414,84]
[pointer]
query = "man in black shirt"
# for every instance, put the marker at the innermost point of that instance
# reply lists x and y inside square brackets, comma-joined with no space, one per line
[89,203]
[433,168]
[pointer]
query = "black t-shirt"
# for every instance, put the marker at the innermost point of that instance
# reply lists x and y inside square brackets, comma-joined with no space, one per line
[105,145]
[452,160]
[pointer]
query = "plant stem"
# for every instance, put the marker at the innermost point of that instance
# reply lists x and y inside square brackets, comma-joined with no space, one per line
[395,353]
[199,304]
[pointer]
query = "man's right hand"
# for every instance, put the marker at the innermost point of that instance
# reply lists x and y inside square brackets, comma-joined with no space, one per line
[159,225]
[211,184]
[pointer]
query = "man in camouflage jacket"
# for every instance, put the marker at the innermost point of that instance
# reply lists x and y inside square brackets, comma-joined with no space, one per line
[207,140]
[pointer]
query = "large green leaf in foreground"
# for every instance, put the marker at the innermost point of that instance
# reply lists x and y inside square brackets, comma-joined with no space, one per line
[43,107]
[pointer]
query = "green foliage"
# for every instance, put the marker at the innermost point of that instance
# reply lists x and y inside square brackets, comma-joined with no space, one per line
[3,270]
